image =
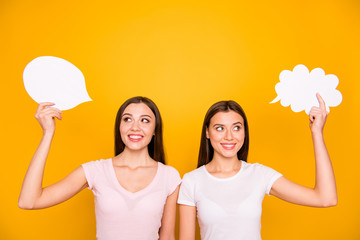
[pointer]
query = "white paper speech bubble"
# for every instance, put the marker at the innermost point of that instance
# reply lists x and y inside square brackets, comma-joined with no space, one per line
[298,88]
[52,79]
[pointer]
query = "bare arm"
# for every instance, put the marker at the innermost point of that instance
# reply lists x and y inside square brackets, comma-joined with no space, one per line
[167,230]
[187,222]
[33,195]
[324,193]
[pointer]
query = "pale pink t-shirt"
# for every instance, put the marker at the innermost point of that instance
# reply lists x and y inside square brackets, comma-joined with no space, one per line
[121,214]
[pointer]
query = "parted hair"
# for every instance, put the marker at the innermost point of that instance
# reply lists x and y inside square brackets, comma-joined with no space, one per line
[206,151]
[155,147]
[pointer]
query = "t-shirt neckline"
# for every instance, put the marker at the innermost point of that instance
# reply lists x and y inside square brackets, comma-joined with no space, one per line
[225,179]
[127,192]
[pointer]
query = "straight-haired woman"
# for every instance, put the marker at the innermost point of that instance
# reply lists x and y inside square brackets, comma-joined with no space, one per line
[225,192]
[135,192]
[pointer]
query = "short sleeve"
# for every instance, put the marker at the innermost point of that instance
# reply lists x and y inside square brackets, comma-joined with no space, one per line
[173,179]
[90,172]
[269,176]
[187,191]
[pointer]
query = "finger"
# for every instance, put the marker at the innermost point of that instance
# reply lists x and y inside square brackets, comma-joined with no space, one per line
[314,113]
[49,112]
[42,105]
[55,115]
[311,117]
[49,108]
[314,110]
[58,116]
[322,104]
[45,104]
[54,109]
[58,113]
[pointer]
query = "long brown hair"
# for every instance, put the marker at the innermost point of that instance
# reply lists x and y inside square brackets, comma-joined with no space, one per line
[206,152]
[155,147]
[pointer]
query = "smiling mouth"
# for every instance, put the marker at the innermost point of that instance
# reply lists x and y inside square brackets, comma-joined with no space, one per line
[135,137]
[228,146]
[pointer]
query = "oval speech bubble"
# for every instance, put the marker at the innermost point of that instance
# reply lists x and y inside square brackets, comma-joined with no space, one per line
[52,79]
[298,88]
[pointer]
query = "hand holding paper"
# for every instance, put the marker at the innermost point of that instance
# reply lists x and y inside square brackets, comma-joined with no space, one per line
[318,115]
[298,88]
[52,79]
[46,114]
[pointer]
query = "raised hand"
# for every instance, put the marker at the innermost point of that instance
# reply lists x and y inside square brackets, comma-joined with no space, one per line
[33,195]
[45,114]
[318,116]
[324,193]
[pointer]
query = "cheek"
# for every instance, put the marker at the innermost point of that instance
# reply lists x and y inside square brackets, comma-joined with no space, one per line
[241,137]
[123,128]
[123,131]
[149,129]
[215,137]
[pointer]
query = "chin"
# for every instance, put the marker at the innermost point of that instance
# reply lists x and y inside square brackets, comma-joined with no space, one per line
[136,146]
[229,155]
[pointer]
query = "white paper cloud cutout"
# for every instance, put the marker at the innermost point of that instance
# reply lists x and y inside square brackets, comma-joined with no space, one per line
[298,88]
[52,79]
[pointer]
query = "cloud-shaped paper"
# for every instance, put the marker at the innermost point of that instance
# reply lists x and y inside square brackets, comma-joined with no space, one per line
[52,79]
[298,88]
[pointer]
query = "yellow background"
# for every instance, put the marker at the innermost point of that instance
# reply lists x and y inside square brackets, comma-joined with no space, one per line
[185,55]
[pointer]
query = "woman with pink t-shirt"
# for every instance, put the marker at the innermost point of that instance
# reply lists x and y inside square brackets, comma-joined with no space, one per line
[135,192]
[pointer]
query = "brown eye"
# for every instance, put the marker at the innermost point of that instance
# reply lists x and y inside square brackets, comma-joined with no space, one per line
[236,128]
[127,119]
[219,128]
[145,120]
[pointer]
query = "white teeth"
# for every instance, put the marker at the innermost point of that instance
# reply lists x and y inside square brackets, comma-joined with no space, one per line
[228,145]
[135,137]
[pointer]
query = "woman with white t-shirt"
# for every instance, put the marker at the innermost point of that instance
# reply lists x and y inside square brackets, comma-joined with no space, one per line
[135,192]
[225,192]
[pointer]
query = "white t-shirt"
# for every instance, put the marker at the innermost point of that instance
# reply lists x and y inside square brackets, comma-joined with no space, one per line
[228,208]
[123,215]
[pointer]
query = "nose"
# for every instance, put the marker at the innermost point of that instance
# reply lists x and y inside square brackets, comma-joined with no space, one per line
[135,126]
[228,135]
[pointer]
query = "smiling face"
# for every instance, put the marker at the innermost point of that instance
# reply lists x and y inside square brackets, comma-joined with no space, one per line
[137,126]
[226,132]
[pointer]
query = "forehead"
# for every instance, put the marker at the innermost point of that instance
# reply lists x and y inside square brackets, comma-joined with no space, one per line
[138,109]
[229,117]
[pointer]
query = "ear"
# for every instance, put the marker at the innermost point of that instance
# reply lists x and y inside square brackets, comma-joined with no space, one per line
[207,133]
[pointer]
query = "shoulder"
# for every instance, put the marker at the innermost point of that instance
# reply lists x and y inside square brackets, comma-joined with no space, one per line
[168,169]
[96,165]
[260,170]
[99,162]
[170,176]
[255,167]
[194,174]
[95,169]
[189,186]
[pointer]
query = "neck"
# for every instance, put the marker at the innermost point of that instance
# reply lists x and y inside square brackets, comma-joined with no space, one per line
[134,158]
[221,164]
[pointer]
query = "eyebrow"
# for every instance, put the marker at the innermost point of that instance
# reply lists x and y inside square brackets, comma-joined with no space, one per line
[219,124]
[145,115]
